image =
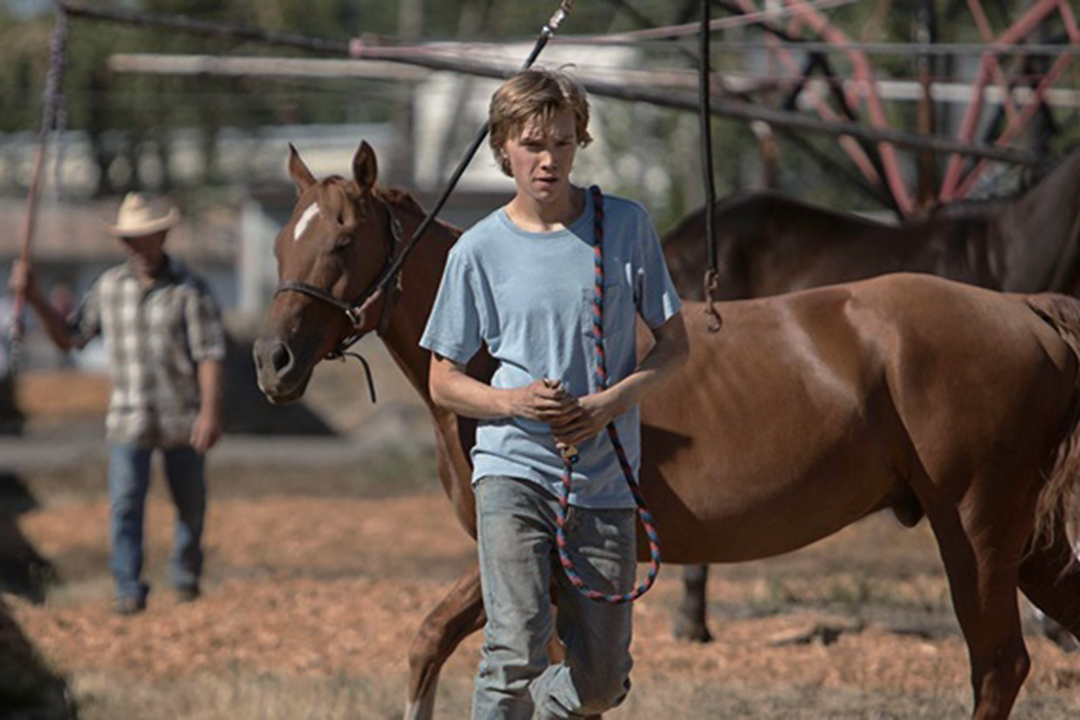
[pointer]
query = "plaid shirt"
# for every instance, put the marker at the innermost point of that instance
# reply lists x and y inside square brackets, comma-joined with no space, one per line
[155,337]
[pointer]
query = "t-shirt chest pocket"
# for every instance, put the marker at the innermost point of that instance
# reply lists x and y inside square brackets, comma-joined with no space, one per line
[618,309]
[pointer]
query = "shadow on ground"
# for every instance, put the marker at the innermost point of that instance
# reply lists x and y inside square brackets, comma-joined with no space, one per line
[23,571]
[29,689]
[11,419]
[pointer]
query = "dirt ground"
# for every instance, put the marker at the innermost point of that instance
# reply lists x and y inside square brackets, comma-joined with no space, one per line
[324,555]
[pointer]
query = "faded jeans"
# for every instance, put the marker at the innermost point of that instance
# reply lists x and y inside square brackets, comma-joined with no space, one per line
[129,480]
[516,524]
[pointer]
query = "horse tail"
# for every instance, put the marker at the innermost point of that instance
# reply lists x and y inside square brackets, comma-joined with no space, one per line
[1059,501]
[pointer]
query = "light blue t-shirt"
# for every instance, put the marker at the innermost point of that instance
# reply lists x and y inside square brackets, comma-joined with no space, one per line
[529,297]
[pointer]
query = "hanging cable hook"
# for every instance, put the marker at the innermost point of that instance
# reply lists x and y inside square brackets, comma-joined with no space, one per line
[711,281]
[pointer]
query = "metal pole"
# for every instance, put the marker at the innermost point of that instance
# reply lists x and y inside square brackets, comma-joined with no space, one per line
[387,276]
[52,93]
[179,23]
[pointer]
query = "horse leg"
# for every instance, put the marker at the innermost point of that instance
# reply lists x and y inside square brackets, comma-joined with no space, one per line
[1050,578]
[460,614]
[690,615]
[982,571]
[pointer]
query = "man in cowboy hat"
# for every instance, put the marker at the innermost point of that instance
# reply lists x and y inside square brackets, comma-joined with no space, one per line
[165,343]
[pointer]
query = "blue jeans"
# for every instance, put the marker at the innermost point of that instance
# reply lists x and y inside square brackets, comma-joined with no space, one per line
[516,523]
[129,480]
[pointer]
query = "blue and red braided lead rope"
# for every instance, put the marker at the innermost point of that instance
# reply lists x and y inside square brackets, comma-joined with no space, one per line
[620,453]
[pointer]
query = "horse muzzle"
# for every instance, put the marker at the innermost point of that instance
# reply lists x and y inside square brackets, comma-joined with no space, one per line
[281,377]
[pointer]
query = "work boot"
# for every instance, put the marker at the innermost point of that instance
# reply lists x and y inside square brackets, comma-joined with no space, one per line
[187,593]
[127,606]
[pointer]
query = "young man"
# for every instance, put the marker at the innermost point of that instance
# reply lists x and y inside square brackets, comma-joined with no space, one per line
[165,344]
[521,281]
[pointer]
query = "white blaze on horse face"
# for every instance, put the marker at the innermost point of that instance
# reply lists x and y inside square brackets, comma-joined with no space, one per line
[305,220]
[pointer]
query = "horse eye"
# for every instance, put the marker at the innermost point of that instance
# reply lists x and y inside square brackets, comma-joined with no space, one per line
[342,243]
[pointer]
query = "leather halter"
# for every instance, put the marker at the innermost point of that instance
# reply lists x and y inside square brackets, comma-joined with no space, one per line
[357,310]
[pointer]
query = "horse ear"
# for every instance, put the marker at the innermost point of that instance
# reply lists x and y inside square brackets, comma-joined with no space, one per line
[365,168]
[298,171]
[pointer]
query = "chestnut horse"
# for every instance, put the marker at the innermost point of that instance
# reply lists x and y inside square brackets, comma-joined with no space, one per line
[805,413]
[769,244]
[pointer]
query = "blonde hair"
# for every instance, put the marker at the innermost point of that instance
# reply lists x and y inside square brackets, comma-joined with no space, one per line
[537,94]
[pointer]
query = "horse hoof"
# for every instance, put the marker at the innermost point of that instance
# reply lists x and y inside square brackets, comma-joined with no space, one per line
[693,632]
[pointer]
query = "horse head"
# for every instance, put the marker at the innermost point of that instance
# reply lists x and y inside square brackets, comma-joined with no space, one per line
[339,240]
[1041,228]
[1067,274]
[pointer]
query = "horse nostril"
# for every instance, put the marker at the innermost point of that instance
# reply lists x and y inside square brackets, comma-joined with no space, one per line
[281,358]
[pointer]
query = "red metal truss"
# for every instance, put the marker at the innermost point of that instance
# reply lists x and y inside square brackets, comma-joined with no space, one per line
[1041,11]
[862,91]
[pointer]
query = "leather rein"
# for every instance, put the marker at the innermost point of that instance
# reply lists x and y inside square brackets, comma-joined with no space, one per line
[386,286]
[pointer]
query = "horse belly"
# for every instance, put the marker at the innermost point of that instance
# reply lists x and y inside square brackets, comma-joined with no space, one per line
[756,506]
[775,436]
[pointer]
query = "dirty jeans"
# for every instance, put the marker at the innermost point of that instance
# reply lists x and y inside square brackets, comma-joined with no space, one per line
[516,524]
[129,480]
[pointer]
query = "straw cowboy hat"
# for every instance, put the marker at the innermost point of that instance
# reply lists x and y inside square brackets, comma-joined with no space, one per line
[137,218]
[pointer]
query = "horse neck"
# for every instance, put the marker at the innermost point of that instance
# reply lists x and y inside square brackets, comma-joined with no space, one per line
[420,277]
[421,274]
[1039,230]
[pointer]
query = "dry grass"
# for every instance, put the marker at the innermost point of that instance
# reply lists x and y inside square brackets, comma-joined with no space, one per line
[235,694]
[319,573]
[59,396]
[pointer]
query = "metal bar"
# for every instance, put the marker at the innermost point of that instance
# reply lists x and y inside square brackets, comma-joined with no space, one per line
[859,152]
[670,97]
[893,178]
[797,121]
[1016,126]
[263,66]
[187,25]
[1019,30]
[1072,28]
[57,47]
[741,47]
[692,29]
[994,67]
[864,155]
[905,90]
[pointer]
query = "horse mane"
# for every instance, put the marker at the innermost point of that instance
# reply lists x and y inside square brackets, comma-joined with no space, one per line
[1059,500]
[397,197]
[400,198]
[323,186]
